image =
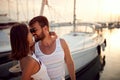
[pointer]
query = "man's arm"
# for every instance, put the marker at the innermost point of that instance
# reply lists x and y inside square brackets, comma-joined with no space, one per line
[68,60]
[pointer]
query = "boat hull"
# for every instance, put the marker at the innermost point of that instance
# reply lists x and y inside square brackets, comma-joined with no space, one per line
[83,48]
[83,57]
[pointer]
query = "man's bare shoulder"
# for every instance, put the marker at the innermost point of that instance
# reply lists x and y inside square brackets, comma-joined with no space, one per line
[62,41]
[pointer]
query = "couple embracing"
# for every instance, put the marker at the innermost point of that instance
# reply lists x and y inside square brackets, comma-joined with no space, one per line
[43,57]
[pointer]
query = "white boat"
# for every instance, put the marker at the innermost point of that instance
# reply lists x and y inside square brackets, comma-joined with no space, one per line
[85,45]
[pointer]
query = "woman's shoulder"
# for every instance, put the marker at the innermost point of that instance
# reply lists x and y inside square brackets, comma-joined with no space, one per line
[27,61]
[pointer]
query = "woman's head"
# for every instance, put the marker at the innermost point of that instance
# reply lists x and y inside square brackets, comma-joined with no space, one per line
[21,41]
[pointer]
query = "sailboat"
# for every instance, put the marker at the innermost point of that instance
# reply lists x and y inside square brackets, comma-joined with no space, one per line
[84,43]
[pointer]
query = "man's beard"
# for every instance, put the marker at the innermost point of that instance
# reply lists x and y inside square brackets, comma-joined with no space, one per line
[39,37]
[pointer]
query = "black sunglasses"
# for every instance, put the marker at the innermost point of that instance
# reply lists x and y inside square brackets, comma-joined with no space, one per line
[32,30]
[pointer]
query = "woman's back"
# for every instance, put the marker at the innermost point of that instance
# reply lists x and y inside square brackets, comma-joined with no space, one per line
[31,67]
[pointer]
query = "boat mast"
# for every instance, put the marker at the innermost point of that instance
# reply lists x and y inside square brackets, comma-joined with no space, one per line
[44,2]
[9,9]
[74,16]
[17,10]
[27,10]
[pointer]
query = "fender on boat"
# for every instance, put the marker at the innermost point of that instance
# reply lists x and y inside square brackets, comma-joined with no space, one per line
[103,45]
[99,49]
[105,42]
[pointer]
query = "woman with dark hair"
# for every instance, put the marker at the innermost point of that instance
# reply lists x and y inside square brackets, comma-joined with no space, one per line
[22,45]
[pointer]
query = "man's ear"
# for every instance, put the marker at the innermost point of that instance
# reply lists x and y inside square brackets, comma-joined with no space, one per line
[45,29]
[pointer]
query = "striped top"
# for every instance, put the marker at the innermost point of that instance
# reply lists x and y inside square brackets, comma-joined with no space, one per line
[54,61]
[42,72]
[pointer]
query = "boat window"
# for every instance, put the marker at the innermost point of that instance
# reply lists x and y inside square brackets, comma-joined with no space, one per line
[4,40]
[84,28]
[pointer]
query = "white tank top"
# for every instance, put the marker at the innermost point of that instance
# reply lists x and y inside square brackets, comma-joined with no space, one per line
[54,62]
[42,73]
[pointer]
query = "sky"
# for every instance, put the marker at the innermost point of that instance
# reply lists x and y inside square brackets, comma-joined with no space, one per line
[62,10]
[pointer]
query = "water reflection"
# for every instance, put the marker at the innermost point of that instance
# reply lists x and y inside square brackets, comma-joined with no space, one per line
[111,70]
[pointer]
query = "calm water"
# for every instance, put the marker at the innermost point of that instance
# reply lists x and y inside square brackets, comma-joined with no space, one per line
[111,70]
[111,65]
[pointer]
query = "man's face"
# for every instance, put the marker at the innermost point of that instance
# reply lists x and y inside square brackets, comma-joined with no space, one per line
[37,31]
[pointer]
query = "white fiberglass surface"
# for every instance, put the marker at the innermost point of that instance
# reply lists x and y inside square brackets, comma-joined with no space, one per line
[79,41]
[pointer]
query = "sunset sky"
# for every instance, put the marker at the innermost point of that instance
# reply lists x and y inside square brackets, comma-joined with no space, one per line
[62,10]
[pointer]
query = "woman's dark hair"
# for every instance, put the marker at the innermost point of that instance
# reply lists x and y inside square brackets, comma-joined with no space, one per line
[42,20]
[19,42]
